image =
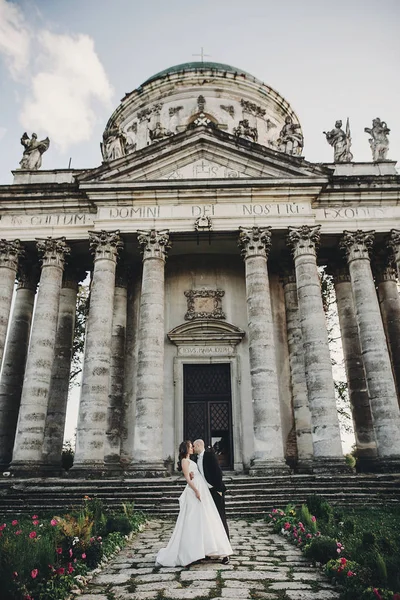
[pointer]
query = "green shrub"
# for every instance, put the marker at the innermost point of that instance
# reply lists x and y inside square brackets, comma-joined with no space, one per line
[319,507]
[321,549]
[67,456]
[368,539]
[350,460]
[307,519]
[119,523]
[348,526]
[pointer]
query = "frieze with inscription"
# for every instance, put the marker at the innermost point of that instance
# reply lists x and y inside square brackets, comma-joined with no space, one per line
[205,350]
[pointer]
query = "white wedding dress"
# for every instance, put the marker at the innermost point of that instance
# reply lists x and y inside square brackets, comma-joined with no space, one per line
[199,531]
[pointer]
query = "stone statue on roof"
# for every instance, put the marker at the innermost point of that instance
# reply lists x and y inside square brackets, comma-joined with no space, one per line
[379,140]
[32,156]
[341,142]
[290,140]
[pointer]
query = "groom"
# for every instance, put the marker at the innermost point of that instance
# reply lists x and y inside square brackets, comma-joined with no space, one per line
[208,466]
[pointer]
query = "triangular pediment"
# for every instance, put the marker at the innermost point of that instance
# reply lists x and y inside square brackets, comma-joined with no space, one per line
[204,153]
[201,331]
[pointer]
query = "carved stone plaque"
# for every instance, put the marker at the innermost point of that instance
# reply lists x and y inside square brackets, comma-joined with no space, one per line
[204,304]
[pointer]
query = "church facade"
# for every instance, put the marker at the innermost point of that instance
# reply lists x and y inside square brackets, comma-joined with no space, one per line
[203,230]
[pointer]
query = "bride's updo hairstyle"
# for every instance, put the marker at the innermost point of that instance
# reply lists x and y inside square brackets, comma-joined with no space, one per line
[183,452]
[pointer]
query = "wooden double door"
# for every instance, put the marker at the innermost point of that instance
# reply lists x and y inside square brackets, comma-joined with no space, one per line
[208,408]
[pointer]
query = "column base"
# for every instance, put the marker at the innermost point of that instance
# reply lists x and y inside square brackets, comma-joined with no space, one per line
[328,465]
[150,469]
[260,467]
[88,470]
[36,469]
[379,465]
[304,466]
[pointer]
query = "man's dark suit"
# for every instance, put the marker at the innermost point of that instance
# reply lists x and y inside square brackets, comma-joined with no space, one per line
[213,475]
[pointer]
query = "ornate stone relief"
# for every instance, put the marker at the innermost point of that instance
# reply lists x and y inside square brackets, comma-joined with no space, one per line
[255,241]
[304,239]
[159,133]
[253,109]
[143,115]
[53,251]
[203,223]
[379,140]
[229,109]
[244,130]
[290,140]
[341,142]
[174,110]
[201,103]
[154,243]
[10,252]
[204,304]
[105,244]
[357,244]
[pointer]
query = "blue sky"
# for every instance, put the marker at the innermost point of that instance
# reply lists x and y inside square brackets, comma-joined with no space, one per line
[65,64]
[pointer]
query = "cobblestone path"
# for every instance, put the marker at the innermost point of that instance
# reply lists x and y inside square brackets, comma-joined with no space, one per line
[263,567]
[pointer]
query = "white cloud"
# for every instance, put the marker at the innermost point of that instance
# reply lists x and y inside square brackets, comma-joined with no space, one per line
[14,38]
[60,103]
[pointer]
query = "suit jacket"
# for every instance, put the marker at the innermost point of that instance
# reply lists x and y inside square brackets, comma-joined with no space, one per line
[212,471]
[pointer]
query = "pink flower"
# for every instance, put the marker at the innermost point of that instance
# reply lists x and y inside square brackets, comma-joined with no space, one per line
[308,536]
[350,574]
[35,517]
[59,550]
[18,532]
[343,560]
[54,522]
[99,538]
[70,553]
[84,556]
[15,574]
[313,519]
[60,571]
[34,573]
[15,522]
[32,534]
[3,526]
[70,568]
[35,522]
[377,594]
[287,525]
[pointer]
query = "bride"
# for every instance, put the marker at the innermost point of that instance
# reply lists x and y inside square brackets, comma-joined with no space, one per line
[199,531]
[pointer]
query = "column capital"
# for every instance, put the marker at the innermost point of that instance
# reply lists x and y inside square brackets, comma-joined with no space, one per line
[383,268]
[10,252]
[105,244]
[53,251]
[304,240]
[155,244]
[357,244]
[255,241]
[28,273]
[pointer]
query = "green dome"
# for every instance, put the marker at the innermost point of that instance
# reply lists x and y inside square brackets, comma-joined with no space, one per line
[199,66]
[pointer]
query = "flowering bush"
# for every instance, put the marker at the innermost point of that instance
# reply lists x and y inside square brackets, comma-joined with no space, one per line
[42,558]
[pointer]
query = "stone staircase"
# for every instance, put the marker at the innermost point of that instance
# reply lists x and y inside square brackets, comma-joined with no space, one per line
[247,496]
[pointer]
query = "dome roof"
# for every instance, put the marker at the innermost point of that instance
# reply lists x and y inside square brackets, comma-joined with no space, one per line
[200,66]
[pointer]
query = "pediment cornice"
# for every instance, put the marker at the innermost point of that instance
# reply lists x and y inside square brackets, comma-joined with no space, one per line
[203,331]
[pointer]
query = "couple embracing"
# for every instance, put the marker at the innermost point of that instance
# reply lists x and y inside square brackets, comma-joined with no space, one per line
[201,530]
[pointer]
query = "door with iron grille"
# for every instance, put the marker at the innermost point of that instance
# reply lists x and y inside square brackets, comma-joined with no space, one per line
[208,408]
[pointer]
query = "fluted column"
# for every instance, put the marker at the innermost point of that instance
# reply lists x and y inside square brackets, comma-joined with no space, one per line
[15,354]
[378,370]
[92,419]
[301,409]
[9,255]
[389,303]
[148,441]
[117,373]
[327,446]
[28,445]
[394,244]
[353,362]
[59,386]
[255,244]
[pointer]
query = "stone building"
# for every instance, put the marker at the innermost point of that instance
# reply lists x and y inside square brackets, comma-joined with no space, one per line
[203,230]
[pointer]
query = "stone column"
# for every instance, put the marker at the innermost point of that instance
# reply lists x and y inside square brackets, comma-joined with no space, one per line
[9,255]
[301,409]
[327,446]
[389,303]
[394,244]
[148,440]
[255,244]
[15,358]
[378,370]
[59,386]
[28,445]
[89,454]
[117,373]
[353,362]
